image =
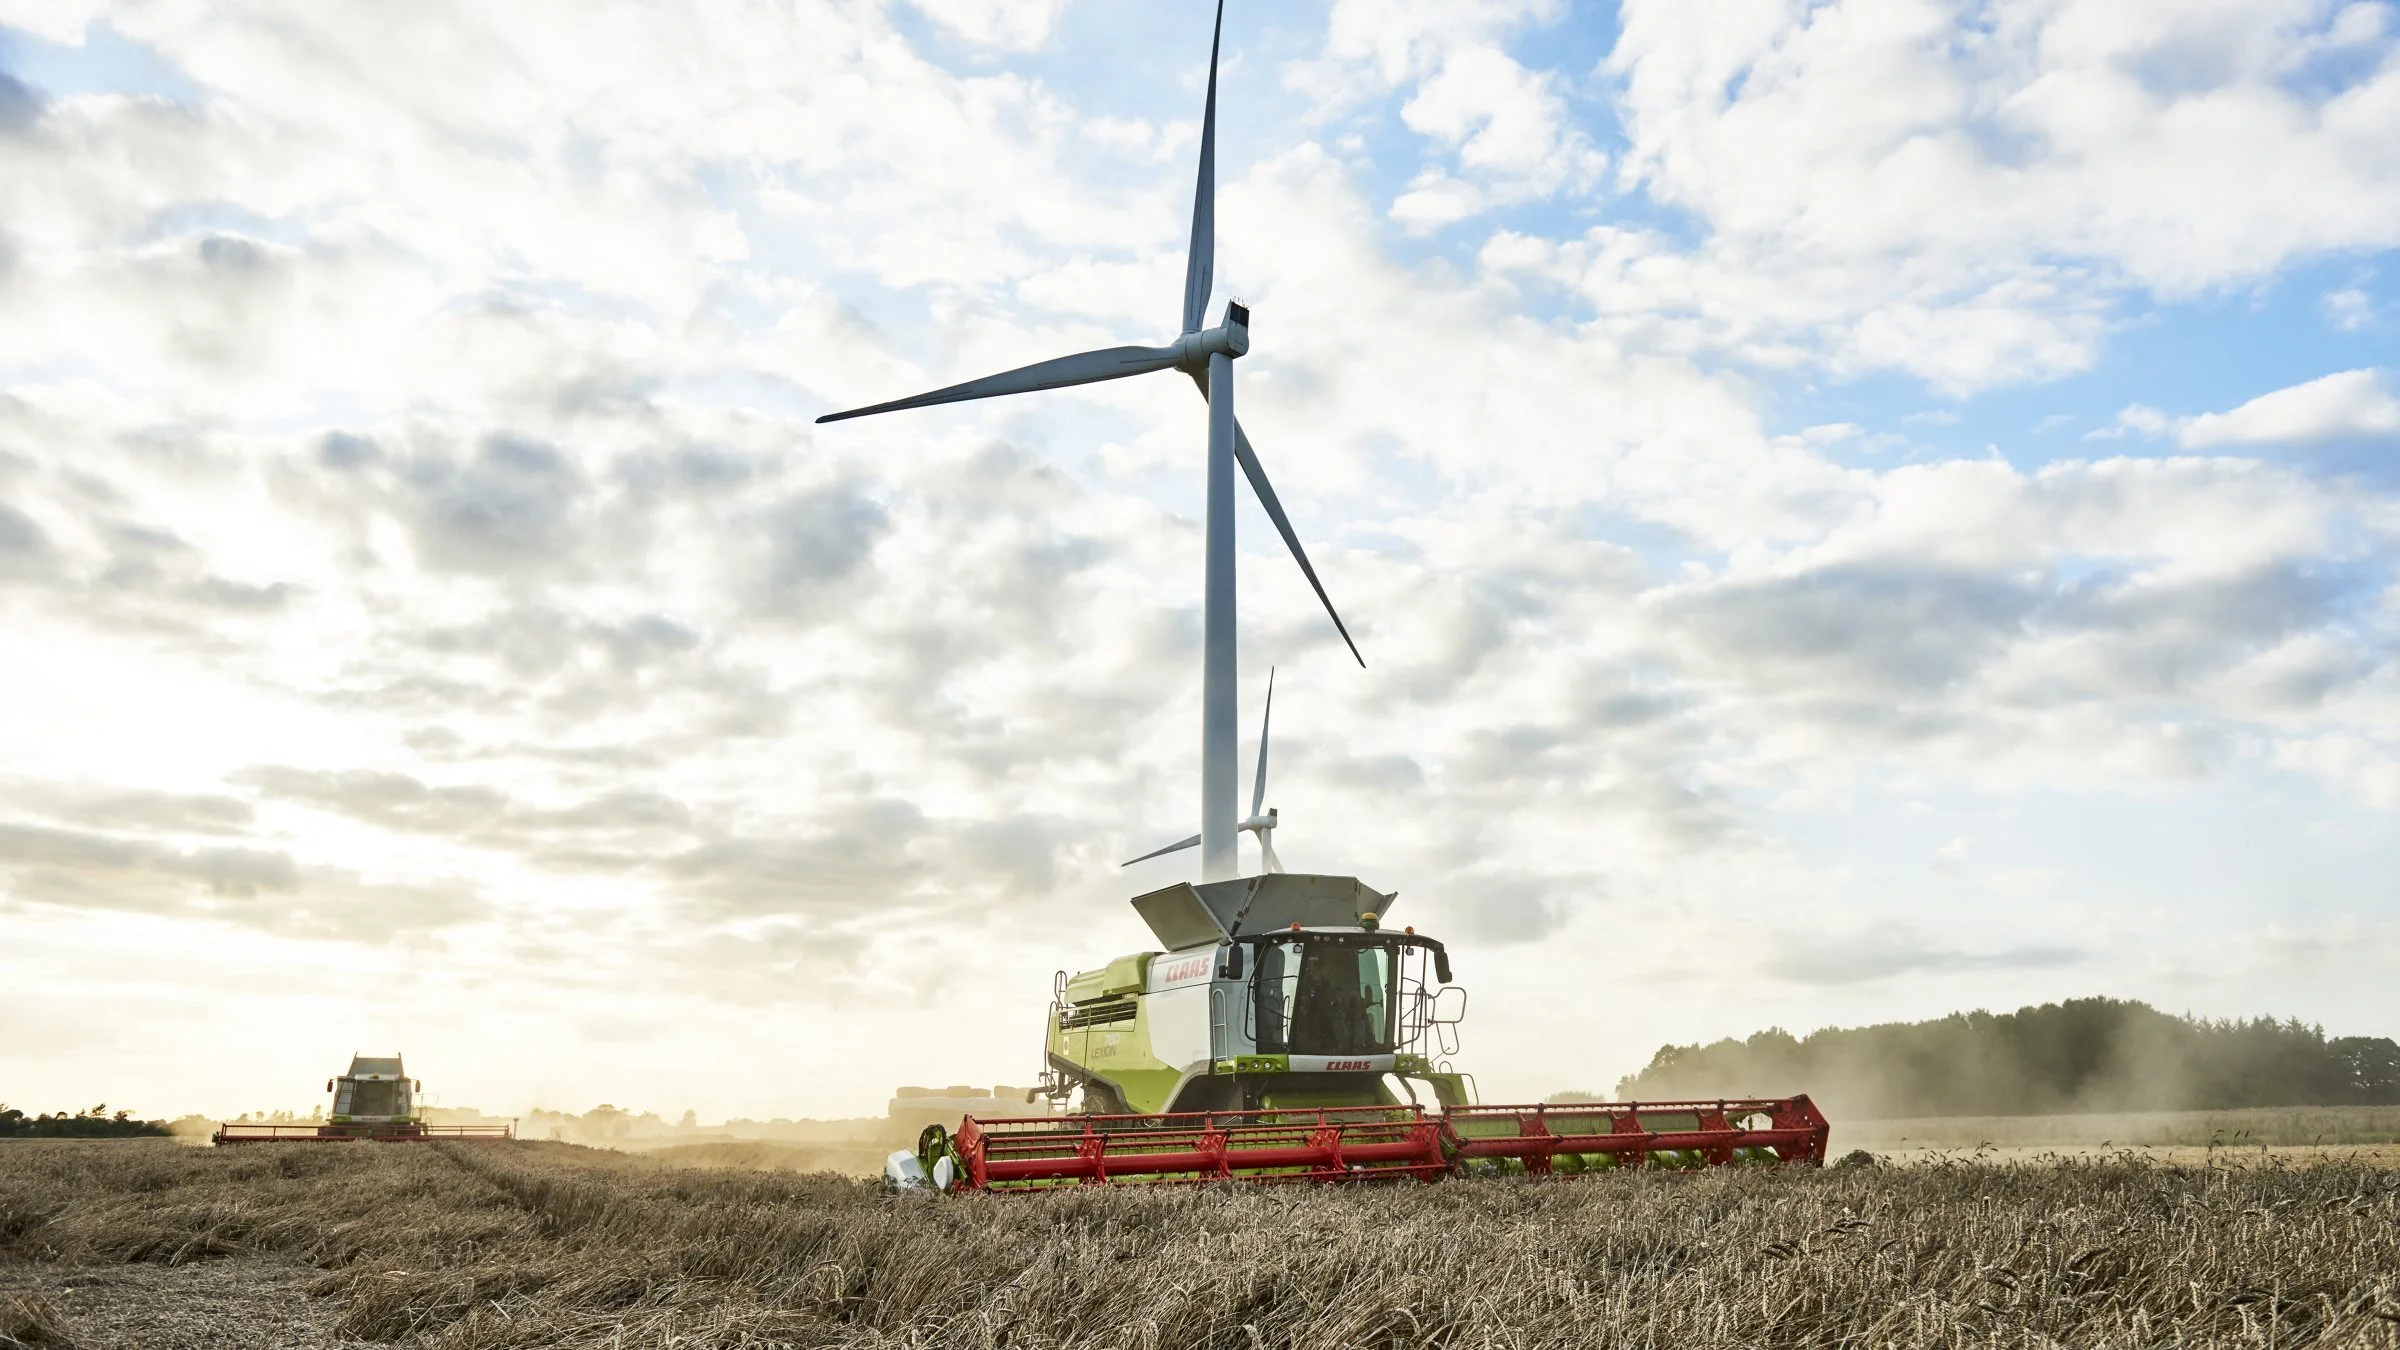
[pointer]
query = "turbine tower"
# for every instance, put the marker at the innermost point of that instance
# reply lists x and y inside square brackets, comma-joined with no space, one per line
[1207,356]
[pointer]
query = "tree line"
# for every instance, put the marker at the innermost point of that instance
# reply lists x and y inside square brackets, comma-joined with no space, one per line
[2091,1054]
[94,1122]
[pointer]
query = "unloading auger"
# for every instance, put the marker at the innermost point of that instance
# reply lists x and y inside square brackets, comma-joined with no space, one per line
[1286,1034]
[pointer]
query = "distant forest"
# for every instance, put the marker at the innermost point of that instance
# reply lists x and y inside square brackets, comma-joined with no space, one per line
[96,1122]
[2091,1054]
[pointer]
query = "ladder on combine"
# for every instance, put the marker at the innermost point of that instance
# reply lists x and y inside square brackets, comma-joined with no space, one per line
[1371,1143]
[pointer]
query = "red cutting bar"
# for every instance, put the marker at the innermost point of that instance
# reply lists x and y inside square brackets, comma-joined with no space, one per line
[328,1134]
[1366,1143]
[1328,1144]
[1794,1130]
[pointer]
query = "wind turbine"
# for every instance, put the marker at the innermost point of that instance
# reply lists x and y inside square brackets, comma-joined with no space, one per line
[1206,356]
[1259,823]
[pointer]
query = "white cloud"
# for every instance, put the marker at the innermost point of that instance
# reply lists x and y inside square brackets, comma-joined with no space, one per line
[1881,163]
[2353,404]
[1505,129]
[2137,419]
[1509,131]
[1012,24]
[2349,309]
[2158,138]
[2368,765]
[54,20]
[2348,405]
[1401,40]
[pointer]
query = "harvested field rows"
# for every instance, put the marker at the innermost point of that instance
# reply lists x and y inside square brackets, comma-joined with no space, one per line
[548,1245]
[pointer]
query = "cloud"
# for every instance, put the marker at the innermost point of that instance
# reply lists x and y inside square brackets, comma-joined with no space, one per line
[2350,405]
[1510,135]
[118,809]
[2350,309]
[1952,856]
[1511,906]
[814,541]
[1505,131]
[1012,24]
[1400,39]
[20,106]
[24,545]
[514,505]
[1890,952]
[1871,630]
[389,799]
[714,865]
[2070,126]
[264,889]
[1964,199]
[2137,419]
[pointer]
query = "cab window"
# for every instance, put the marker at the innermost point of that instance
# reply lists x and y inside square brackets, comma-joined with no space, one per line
[1318,996]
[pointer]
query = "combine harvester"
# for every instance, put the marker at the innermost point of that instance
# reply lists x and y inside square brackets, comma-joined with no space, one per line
[1285,1034]
[373,1103]
[1282,1032]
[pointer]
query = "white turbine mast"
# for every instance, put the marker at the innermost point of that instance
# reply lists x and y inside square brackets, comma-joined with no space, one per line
[1206,356]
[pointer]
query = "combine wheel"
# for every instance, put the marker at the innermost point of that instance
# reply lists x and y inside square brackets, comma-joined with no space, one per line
[938,1155]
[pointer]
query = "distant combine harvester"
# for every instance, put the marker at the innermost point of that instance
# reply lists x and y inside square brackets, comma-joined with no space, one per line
[376,1103]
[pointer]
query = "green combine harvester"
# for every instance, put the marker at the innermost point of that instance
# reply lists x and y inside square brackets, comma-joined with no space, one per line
[375,1102]
[1285,1033]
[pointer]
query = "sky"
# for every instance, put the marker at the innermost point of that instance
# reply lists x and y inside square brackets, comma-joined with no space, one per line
[1852,509]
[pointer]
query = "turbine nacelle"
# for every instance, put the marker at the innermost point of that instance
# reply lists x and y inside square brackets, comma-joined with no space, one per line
[1264,828]
[1230,338]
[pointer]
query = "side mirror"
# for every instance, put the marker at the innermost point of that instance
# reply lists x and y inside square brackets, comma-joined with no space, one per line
[1231,967]
[1441,964]
[1449,1007]
[329,1085]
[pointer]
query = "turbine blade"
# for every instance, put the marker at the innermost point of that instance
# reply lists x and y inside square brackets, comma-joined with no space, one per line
[1110,363]
[1258,790]
[1257,474]
[1192,842]
[1266,852]
[1200,265]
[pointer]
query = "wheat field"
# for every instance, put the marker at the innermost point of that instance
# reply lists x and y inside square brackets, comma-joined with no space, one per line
[2275,1127]
[141,1245]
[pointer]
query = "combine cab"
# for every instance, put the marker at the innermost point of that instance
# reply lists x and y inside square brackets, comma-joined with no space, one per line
[1274,991]
[1286,1034]
[375,1102]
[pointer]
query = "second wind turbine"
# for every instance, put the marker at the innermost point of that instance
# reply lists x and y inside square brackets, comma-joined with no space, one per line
[1207,356]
